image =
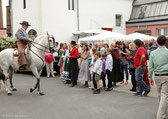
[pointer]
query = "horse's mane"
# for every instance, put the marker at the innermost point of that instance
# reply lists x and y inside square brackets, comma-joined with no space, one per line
[39,38]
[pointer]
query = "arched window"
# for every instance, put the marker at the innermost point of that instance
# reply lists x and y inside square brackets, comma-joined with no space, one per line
[32,33]
[24,4]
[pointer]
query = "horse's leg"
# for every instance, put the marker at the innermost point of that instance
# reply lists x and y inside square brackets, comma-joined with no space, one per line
[4,82]
[38,89]
[11,71]
[36,74]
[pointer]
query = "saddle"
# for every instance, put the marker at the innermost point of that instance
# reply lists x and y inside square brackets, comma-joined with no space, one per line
[16,52]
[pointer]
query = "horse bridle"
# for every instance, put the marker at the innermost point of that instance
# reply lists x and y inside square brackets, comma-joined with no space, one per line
[49,47]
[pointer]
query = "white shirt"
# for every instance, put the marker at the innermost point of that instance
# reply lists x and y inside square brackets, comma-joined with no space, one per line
[109,62]
[79,49]
[97,66]
[103,50]
[66,53]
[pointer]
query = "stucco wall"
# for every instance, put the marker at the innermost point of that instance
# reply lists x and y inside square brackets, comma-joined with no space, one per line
[58,20]
[54,17]
[101,13]
[32,13]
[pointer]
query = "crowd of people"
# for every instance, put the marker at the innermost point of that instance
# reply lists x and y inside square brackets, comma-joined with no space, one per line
[117,61]
[99,62]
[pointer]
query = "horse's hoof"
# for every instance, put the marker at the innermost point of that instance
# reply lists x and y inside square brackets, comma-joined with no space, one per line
[31,90]
[14,89]
[41,93]
[9,94]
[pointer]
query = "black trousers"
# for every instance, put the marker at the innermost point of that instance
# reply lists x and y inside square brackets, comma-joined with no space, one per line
[74,69]
[94,82]
[109,77]
[103,77]
[132,72]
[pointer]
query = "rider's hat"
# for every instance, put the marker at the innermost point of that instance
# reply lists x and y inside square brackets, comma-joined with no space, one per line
[73,42]
[25,23]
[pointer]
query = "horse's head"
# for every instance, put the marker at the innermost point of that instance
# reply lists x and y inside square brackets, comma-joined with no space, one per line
[47,41]
[51,42]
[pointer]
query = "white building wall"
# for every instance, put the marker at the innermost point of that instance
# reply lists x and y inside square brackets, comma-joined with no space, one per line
[96,14]
[32,13]
[58,20]
[54,17]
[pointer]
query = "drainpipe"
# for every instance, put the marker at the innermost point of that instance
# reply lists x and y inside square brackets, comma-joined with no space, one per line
[78,24]
[78,27]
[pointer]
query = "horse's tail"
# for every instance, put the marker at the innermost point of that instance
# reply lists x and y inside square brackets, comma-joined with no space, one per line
[6,59]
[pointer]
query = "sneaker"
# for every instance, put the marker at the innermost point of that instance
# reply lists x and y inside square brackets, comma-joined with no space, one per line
[146,93]
[133,90]
[137,94]
[96,91]
[104,88]
[93,89]
[122,82]
[126,83]
[114,85]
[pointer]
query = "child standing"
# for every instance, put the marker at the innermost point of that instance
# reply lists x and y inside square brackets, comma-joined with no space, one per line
[49,59]
[103,74]
[109,67]
[97,69]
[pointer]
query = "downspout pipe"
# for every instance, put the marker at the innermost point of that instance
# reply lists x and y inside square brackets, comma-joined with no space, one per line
[78,27]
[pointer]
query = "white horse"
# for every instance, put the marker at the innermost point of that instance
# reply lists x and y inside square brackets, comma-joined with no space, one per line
[9,62]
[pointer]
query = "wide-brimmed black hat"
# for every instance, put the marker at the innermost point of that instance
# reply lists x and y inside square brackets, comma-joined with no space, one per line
[25,23]
[73,42]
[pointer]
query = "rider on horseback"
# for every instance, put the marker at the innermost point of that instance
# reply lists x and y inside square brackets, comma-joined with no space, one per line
[22,41]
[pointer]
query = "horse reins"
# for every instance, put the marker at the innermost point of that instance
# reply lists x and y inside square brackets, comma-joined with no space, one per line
[38,49]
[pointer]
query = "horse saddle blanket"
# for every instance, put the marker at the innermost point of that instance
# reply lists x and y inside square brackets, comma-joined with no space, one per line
[16,52]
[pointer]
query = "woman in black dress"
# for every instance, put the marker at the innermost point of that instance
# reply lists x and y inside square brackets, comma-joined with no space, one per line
[116,72]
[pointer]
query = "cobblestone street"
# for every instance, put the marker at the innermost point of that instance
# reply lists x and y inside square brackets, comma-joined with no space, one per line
[62,102]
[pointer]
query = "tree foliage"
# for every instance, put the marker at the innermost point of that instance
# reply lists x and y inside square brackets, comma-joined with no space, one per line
[6,42]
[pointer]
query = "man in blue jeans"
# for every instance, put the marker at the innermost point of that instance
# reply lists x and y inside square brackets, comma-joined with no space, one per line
[140,65]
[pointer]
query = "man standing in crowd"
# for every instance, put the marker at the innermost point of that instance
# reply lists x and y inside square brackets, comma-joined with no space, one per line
[22,40]
[56,46]
[158,64]
[140,65]
[74,54]
[152,46]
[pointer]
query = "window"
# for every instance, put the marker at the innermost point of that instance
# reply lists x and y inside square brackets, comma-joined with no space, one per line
[32,33]
[166,10]
[166,31]
[142,11]
[152,10]
[133,12]
[24,4]
[118,20]
[71,5]
[158,8]
[163,8]
[163,31]
[145,31]
[137,13]
[147,10]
